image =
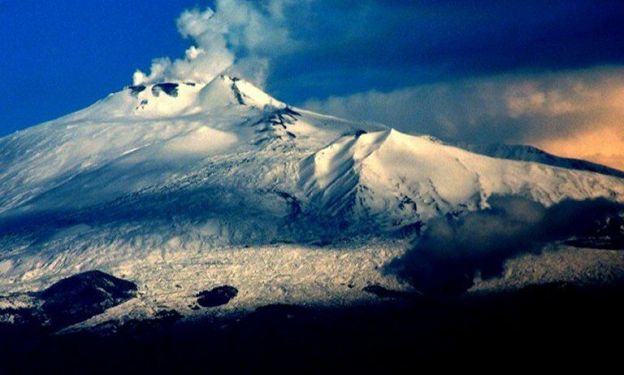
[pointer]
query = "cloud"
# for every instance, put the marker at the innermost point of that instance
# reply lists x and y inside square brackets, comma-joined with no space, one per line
[237,37]
[407,42]
[385,44]
[317,48]
[453,251]
[576,113]
[389,44]
[203,61]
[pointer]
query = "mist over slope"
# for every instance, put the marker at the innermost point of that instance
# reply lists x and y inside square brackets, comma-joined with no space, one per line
[454,251]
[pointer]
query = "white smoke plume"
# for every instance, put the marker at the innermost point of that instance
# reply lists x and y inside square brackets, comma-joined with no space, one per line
[237,37]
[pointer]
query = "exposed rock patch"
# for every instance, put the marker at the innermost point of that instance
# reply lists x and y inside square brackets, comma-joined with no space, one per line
[170,89]
[84,295]
[217,296]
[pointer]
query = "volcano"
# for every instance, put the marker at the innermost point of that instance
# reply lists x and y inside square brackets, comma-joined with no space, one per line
[182,187]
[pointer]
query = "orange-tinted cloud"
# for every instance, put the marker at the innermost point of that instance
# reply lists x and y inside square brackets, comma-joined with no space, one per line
[602,146]
[576,113]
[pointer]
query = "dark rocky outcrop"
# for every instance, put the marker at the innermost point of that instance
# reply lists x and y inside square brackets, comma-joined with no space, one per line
[84,295]
[217,296]
[135,90]
[170,89]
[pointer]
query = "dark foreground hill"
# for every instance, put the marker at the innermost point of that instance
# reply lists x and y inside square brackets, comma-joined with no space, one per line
[557,324]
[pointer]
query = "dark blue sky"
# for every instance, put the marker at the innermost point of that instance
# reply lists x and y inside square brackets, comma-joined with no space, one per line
[60,56]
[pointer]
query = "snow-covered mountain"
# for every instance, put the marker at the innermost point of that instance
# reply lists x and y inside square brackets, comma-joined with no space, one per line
[171,170]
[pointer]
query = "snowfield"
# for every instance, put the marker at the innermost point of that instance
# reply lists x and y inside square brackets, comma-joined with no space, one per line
[181,187]
[332,276]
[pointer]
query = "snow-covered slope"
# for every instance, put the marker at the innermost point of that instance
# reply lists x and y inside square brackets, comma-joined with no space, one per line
[156,171]
[395,179]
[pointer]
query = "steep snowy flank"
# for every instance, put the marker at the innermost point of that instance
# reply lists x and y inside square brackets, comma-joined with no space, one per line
[141,136]
[395,179]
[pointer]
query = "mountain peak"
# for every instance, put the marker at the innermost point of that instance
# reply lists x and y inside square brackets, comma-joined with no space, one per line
[176,98]
[225,90]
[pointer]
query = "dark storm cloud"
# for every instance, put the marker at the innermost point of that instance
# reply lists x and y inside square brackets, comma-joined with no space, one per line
[304,48]
[416,42]
[452,251]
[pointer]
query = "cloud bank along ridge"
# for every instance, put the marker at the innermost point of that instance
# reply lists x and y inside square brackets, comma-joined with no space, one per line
[574,113]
